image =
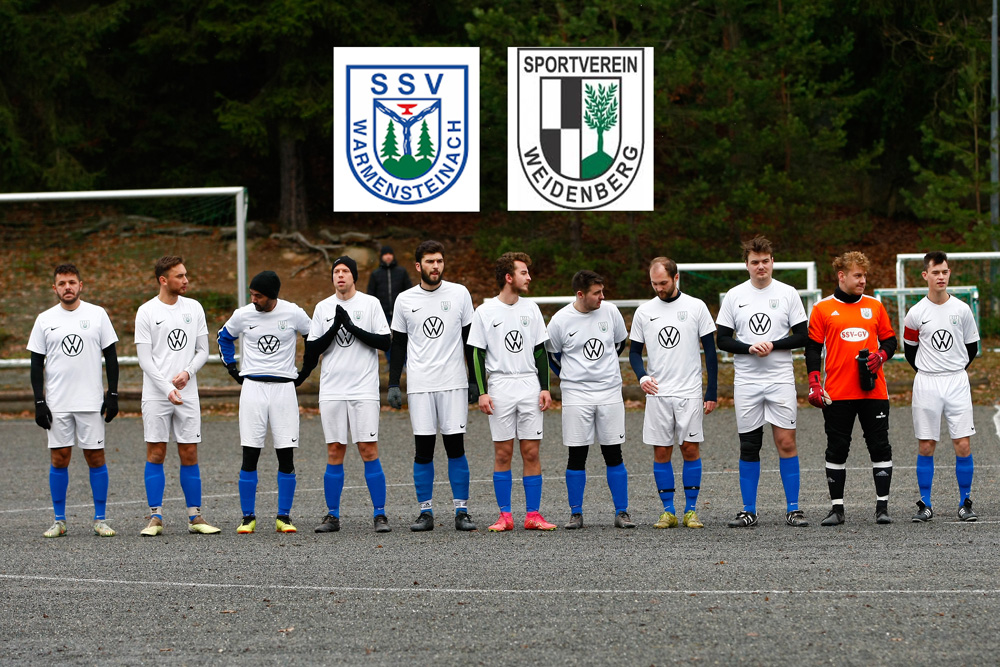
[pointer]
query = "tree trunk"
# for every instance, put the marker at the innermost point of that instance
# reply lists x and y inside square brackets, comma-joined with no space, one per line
[292,213]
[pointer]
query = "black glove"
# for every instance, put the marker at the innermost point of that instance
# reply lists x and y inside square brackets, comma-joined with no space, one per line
[343,319]
[43,416]
[473,394]
[300,378]
[234,372]
[395,397]
[110,406]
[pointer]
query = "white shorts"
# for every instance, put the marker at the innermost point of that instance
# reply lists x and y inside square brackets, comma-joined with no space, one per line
[444,410]
[580,423]
[934,395]
[361,417]
[273,404]
[758,403]
[70,428]
[160,417]
[671,420]
[515,408]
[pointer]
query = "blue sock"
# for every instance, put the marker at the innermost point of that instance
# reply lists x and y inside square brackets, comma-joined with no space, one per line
[155,483]
[333,487]
[749,479]
[375,479]
[532,492]
[789,469]
[618,483]
[191,486]
[691,478]
[286,492]
[458,475]
[423,482]
[925,476]
[248,491]
[99,487]
[963,471]
[576,482]
[502,484]
[58,483]
[663,475]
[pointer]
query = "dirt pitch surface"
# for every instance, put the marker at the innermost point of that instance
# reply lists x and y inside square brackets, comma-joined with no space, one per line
[855,594]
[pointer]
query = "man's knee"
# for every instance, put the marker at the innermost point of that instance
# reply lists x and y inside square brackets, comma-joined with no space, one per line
[454,445]
[577,458]
[612,455]
[423,449]
[750,444]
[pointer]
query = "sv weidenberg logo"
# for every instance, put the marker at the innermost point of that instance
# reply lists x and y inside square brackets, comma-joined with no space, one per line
[581,126]
[407,129]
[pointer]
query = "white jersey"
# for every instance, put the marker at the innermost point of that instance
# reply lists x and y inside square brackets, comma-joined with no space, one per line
[432,322]
[591,373]
[350,368]
[509,335]
[269,338]
[757,316]
[672,334]
[73,343]
[941,332]
[171,332]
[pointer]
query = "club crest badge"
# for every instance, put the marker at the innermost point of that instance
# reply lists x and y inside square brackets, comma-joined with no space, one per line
[866,313]
[953,319]
[446,306]
[580,129]
[84,324]
[603,326]
[187,318]
[404,135]
[357,315]
[682,316]
[773,303]
[282,325]
[525,320]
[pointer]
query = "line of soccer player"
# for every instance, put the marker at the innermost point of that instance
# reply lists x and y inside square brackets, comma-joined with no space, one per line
[499,356]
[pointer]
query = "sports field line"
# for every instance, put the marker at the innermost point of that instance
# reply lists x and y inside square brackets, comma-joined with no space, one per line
[118,503]
[499,591]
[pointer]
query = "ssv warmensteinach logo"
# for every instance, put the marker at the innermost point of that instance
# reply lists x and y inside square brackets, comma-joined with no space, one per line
[580,129]
[406,121]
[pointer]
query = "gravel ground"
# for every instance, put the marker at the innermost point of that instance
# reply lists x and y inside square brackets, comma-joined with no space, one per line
[856,594]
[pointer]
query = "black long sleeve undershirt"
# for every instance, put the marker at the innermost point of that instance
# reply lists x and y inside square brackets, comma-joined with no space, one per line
[728,343]
[796,339]
[38,375]
[397,357]
[111,367]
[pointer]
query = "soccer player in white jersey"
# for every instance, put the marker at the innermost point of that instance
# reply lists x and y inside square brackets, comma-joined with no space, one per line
[508,340]
[66,345]
[171,341]
[348,328]
[754,322]
[585,339]
[430,327]
[269,327]
[670,326]
[941,340]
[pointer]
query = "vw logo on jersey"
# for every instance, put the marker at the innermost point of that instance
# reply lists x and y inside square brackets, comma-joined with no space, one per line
[513,341]
[177,339]
[268,344]
[344,337]
[433,327]
[593,349]
[669,337]
[72,345]
[760,323]
[942,340]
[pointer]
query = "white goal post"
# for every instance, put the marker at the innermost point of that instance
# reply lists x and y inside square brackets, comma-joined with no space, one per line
[237,192]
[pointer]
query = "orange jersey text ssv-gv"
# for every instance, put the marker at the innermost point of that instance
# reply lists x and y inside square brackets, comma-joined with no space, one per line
[845,329]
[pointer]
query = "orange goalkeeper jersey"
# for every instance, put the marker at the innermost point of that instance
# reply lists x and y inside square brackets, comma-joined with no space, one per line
[846,328]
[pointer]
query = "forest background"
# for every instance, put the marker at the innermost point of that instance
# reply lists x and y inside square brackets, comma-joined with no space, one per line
[824,124]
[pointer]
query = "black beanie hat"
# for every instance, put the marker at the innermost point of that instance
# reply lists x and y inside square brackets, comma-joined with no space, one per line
[385,250]
[267,283]
[349,263]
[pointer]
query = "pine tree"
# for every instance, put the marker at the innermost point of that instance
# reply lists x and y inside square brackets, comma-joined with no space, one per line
[424,146]
[389,148]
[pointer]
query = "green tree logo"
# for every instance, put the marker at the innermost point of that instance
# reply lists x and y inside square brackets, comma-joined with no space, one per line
[425,148]
[601,116]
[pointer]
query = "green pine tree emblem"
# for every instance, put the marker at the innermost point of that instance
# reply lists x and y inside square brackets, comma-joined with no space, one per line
[390,151]
[601,116]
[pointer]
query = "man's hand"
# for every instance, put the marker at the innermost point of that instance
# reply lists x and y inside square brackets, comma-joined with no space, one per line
[876,359]
[485,404]
[180,380]
[710,405]
[110,406]
[343,318]
[762,349]
[544,399]
[43,416]
[234,372]
[175,397]
[648,384]
[473,394]
[299,379]
[817,395]
[395,397]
